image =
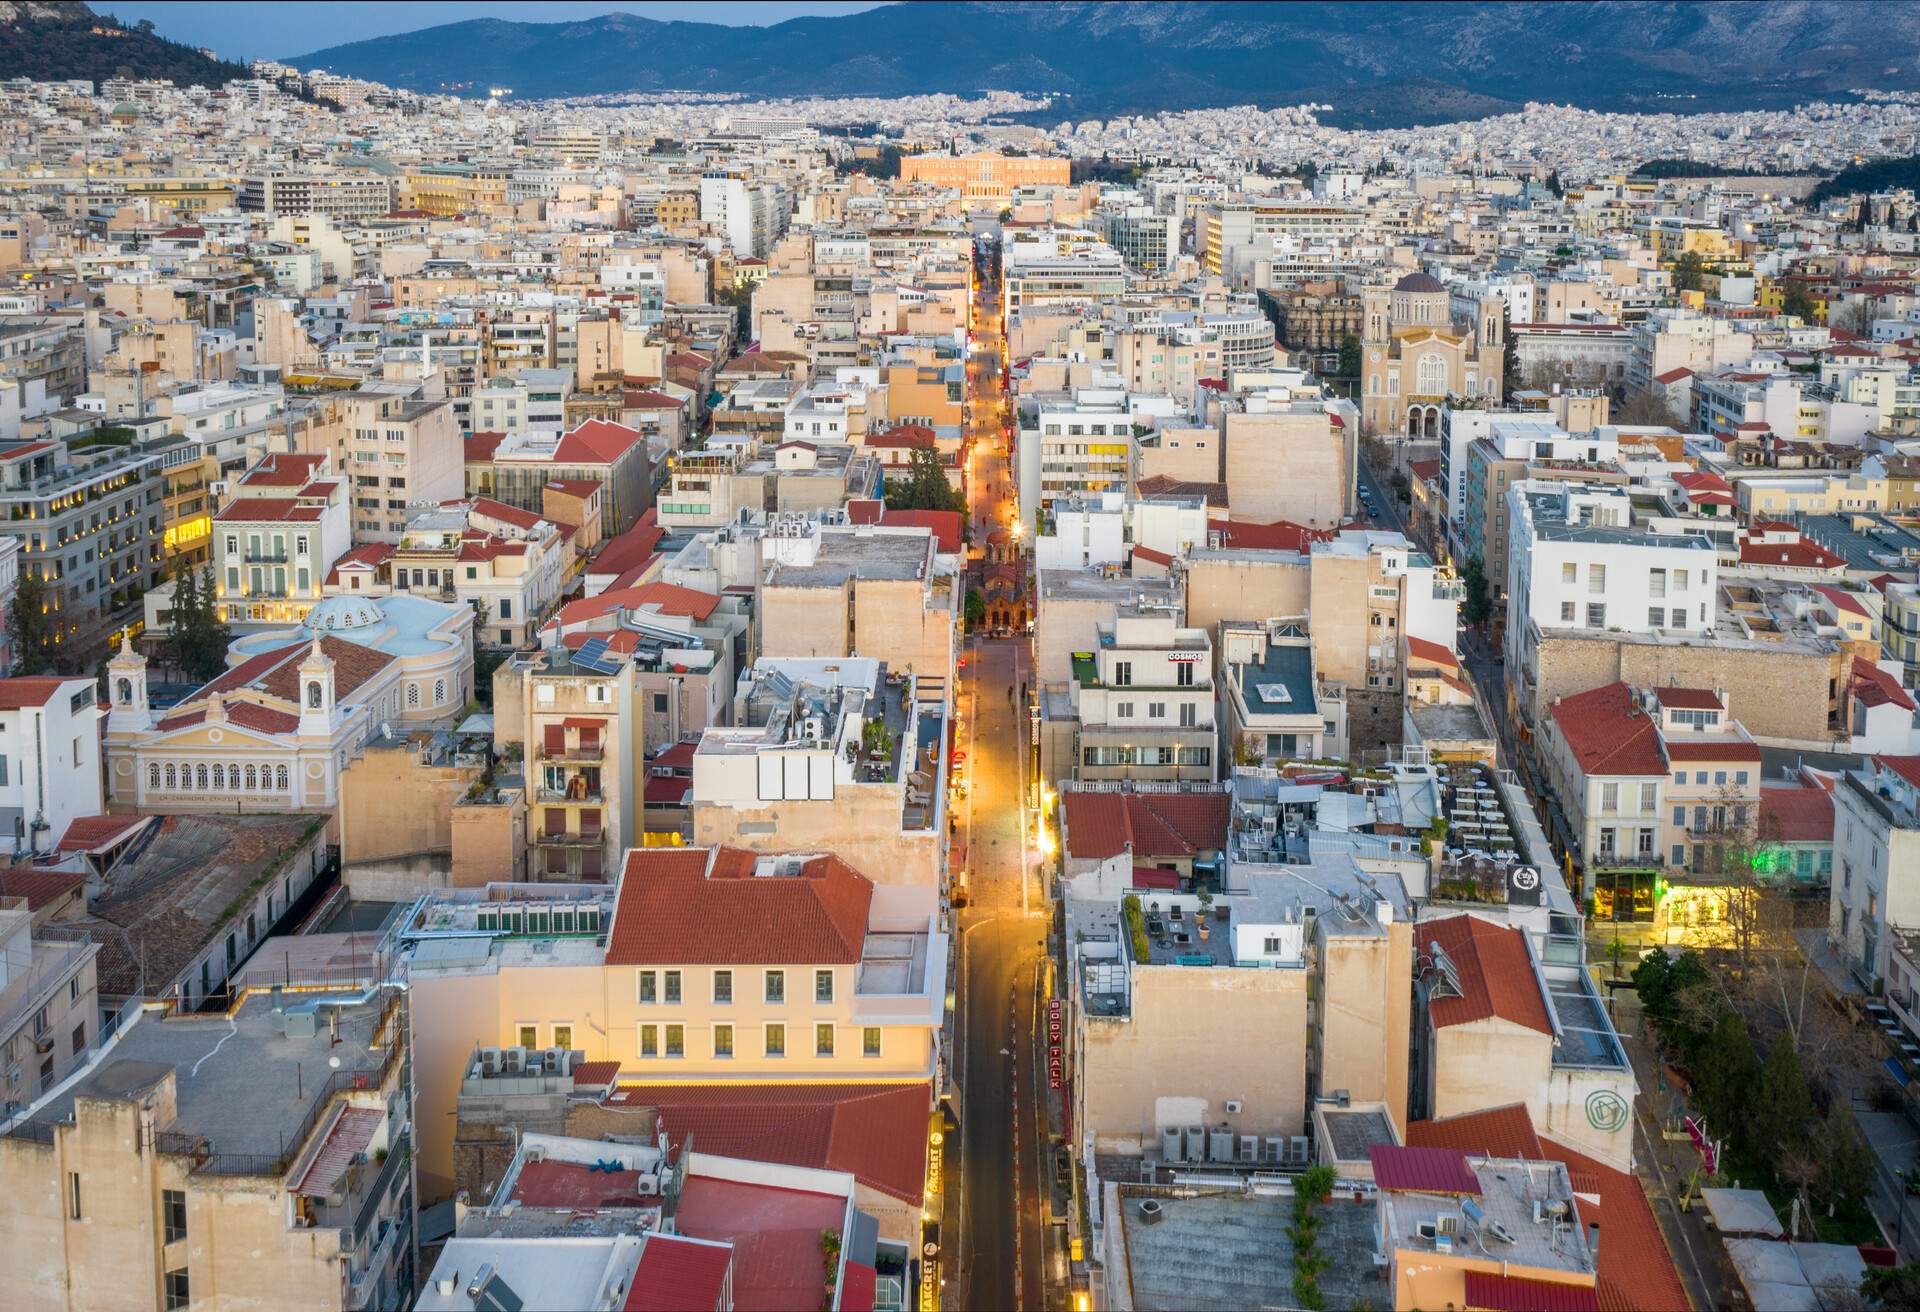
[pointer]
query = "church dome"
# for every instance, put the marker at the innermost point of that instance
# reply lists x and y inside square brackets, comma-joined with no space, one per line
[336,614]
[1419,282]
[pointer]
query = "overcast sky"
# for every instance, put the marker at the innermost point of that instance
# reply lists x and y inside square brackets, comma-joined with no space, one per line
[296,27]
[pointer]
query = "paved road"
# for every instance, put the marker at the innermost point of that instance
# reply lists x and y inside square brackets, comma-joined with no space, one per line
[998,1243]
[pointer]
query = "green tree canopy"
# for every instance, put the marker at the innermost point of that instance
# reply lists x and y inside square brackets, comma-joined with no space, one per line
[195,632]
[1798,302]
[1689,271]
[976,608]
[28,627]
[1477,608]
[924,485]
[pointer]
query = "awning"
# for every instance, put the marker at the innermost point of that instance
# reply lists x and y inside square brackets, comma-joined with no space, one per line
[583,722]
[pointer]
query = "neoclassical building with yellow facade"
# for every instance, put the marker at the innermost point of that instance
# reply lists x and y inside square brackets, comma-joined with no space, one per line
[1413,356]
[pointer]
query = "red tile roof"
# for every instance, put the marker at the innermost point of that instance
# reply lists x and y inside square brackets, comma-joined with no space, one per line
[634,547]
[506,514]
[1873,686]
[865,510]
[38,886]
[906,435]
[677,1274]
[876,1133]
[1281,535]
[700,906]
[1433,652]
[1714,749]
[261,510]
[1153,557]
[1608,733]
[369,556]
[1499,1293]
[576,1186]
[93,833]
[1842,599]
[1102,825]
[1795,555]
[1422,1170]
[945,525]
[1907,767]
[1494,969]
[598,442]
[481,446]
[351,1132]
[1796,815]
[283,469]
[775,1233]
[18,694]
[1672,376]
[1424,470]
[1636,1271]
[1690,699]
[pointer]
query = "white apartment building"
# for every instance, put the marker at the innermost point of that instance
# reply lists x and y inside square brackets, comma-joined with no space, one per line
[751,216]
[49,760]
[1144,700]
[531,399]
[1670,339]
[1574,561]
[1090,531]
[400,451]
[1876,852]
[1082,444]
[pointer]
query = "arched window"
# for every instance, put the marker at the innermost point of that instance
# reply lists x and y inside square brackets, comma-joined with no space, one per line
[251,779]
[313,695]
[280,777]
[439,691]
[219,776]
[126,691]
[1433,374]
[233,775]
[171,783]
[153,776]
[200,777]
[413,694]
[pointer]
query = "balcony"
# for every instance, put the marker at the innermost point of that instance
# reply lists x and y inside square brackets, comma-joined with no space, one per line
[569,797]
[564,838]
[584,753]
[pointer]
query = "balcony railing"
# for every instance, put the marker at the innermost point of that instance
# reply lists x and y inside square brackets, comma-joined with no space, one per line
[585,838]
[559,797]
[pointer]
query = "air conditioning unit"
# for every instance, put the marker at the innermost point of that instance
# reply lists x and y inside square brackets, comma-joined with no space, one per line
[1250,1148]
[1233,1106]
[1171,1144]
[489,1061]
[1274,1150]
[1299,1151]
[1220,1146]
[536,1153]
[516,1061]
[1196,1144]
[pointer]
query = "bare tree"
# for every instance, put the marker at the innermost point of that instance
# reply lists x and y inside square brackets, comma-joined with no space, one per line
[1855,317]
[1644,408]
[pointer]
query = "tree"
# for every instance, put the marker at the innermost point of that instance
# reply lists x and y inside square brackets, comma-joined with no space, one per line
[1477,608]
[740,297]
[1783,1108]
[1689,271]
[28,628]
[926,486]
[1554,184]
[976,608]
[1726,1075]
[1645,408]
[1350,357]
[1856,318]
[1896,1288]
[1798,302]
[1509,358]
[195,632]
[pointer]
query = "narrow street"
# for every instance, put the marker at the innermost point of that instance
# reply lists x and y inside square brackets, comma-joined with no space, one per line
[998,1244]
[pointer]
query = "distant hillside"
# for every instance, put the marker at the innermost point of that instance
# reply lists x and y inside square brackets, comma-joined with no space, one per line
[1379,65]
[1693,168]
[1874,175]
[53,40]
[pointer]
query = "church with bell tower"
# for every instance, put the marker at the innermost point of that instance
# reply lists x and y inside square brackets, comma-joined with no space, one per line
[1414,355]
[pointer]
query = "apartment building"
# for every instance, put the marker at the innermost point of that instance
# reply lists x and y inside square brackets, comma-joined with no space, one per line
[49,993]
[1512,450]
[840,750]
[448,189]
[285,523]
[49,760]
[1288,460]
[264,1156]
[750,215]
[1276,709]
[574,717]
[1574,561]
[678,981]
[509,565]
[1080,445]
[1107,529]
[870,590]
[1227,226]
[393,450]
[1165,984]
[723,484]
[612,455]
[1142,701]
[1873,898]
[356,195]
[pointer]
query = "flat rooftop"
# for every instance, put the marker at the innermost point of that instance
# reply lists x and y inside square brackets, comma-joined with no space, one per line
[240,1083]
[856,555]
[1508,1189]
[1092,585]
[1231,1250]
[1351,1131]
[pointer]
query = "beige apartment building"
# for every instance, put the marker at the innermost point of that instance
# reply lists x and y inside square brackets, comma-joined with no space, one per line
[718,966]
[1239,1014]
[577,721]
[868,591]
[837,754]
[394,448]
[244,1160]
[1288,462]
[49,994]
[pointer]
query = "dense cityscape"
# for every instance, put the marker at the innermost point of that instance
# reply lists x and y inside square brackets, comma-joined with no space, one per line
[686,700]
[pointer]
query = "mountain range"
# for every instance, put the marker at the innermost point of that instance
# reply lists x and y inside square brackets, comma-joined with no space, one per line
[54,40]
[1381,64]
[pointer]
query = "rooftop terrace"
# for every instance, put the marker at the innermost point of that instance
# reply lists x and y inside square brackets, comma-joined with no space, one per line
[1232,1250]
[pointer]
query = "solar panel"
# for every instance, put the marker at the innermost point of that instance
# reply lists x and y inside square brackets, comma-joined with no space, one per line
[593,655]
